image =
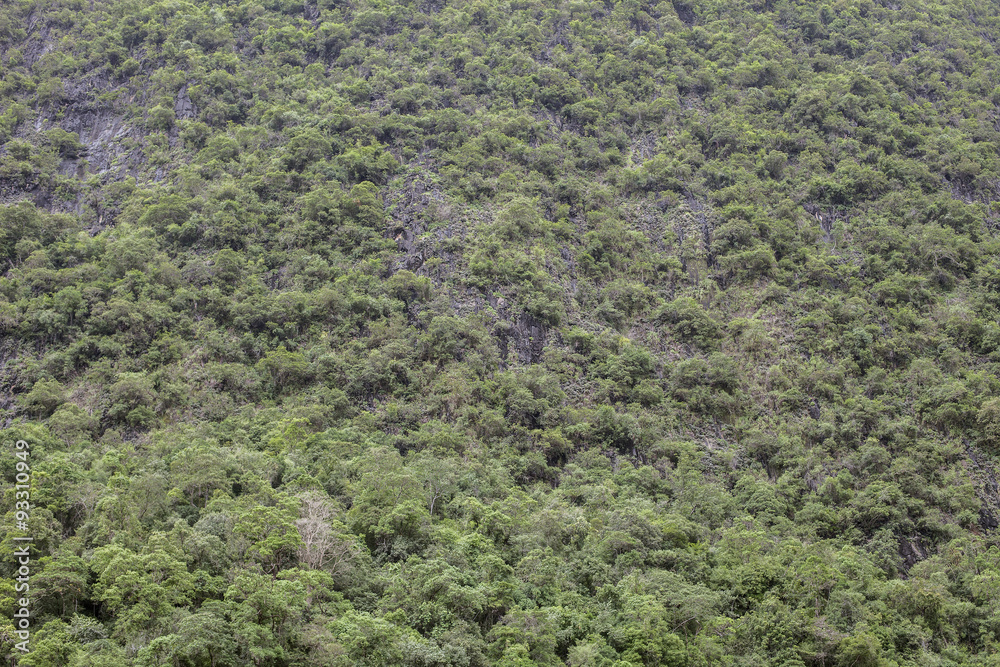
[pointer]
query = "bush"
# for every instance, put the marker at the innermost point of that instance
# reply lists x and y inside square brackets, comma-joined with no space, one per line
[71,423]
[45,396]
[286,369]
[691,323]
[160,118]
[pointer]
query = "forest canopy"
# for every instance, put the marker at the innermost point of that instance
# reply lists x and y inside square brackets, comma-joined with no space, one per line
[465,333]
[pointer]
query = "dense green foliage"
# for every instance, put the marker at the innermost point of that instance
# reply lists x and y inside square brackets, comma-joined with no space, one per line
[446,332]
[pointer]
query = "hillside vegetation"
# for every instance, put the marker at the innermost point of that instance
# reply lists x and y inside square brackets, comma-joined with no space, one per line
[466,333]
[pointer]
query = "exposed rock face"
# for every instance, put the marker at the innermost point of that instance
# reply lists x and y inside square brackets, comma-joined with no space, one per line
[684,13]
[101,132]
[311,12]
[183,107]
[912,550]
[520,337]
[525,338]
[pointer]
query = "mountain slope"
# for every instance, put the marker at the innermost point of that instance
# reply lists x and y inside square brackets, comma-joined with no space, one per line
[466,333]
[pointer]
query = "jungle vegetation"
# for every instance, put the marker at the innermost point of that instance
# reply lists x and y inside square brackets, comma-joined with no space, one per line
[502,332]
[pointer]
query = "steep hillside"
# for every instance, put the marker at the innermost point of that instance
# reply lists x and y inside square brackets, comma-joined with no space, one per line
[502,333]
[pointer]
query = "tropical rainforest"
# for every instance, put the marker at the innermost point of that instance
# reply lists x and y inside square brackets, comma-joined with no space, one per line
[460,333]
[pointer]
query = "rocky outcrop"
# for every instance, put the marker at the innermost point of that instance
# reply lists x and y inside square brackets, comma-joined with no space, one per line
[183,106]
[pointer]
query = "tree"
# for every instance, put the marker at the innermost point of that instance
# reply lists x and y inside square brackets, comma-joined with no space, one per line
[207,634]
[264,612]
[44,398]
[268,536]
[198,471]
[62,584]
[140,588]
[286,369]
[325,546]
